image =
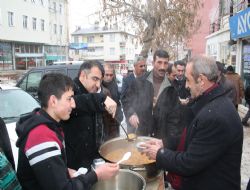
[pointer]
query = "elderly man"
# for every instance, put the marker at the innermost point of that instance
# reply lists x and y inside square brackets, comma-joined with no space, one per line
[212,143]
[84,130]
[139,70]
[111,125]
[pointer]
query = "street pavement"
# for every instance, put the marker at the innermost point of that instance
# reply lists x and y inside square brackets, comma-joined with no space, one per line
[245,161]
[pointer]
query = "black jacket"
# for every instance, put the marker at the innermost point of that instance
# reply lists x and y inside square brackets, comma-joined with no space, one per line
[170,118]
[83,132]
[112,125]
[213,148]
[37,167]
[139,99]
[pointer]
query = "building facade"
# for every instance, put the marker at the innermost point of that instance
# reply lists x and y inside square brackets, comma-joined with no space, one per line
[108,45]
[32,32]
[229,39]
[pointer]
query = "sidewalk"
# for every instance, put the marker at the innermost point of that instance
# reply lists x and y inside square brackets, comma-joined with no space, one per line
[245,162]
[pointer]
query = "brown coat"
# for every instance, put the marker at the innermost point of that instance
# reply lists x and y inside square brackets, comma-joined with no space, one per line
[235,78]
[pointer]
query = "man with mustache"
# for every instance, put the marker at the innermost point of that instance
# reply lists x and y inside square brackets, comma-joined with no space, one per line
[141,97]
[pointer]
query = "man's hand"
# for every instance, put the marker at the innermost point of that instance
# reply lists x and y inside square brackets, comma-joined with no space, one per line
[134,121]
[106,171]
[110,106]
[152,147]
[71,172]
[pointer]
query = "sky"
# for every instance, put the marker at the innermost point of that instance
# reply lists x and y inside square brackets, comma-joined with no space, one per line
[81,13]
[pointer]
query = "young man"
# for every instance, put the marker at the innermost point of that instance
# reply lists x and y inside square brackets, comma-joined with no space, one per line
[42,158]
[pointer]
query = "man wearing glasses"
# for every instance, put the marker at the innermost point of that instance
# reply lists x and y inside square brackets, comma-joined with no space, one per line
[83,131]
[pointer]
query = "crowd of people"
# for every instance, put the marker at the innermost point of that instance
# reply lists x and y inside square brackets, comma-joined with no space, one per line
[190,107]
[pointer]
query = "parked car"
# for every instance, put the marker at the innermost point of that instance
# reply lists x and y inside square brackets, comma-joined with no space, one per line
[30,80]
[14,103]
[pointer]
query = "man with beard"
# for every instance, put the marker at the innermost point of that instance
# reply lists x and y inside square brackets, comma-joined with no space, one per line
[141,97]
[212,143]
[111,125]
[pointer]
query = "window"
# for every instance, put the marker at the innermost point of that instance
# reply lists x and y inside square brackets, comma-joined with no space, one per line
[111,51]
[76,39]
[61,29]
[60,8]
[54,6]
[34,23]
[11,18]
[42,25]
[25,21]
[90,39]
[55,29]
[112,37]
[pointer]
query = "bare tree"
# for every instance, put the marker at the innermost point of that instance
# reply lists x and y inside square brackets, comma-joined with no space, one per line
[158,23]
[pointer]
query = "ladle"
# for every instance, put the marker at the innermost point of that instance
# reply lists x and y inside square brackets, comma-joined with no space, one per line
[125,157]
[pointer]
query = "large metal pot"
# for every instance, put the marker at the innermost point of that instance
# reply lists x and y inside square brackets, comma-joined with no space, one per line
[148,170]
[124,180]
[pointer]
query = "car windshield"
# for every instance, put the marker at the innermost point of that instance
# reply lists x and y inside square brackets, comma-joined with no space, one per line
[14,103]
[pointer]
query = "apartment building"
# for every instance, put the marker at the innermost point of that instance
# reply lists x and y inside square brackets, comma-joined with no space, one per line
[108,45]
[33,32]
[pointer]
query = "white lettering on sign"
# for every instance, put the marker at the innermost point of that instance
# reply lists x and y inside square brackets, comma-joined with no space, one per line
[243,23]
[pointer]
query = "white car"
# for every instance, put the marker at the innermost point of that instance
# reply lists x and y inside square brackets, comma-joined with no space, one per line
[14,102]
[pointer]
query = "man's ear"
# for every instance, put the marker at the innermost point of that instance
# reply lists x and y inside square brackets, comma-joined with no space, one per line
[52,101]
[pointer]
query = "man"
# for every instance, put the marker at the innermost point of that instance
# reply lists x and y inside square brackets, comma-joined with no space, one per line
[227,84]
[171,73]
[235,78]
[84,130]
[42,158]
[211,158]
[139,70]
[180,81]
[111,125]
[142,95]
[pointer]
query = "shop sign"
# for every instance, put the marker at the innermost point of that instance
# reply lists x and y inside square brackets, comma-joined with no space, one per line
[78,46]
[240,24]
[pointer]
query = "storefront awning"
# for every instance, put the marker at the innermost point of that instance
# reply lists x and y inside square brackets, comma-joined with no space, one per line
[55,57]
